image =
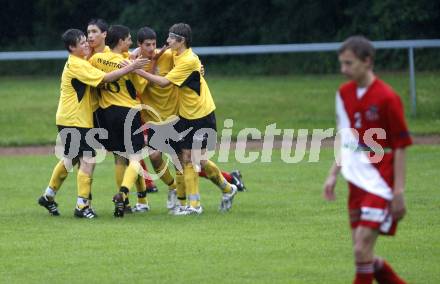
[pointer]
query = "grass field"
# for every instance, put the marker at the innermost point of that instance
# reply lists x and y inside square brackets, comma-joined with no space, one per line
[280,231]
[28,105]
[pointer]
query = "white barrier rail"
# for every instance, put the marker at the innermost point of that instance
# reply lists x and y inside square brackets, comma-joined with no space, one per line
[265,49]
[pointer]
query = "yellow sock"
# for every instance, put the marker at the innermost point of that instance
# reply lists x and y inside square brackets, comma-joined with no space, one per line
[215,175]
[166,176]
[131,174]
[191,178]
[141,189]
[180,188]
[59,174]
[84,183]
[119,174]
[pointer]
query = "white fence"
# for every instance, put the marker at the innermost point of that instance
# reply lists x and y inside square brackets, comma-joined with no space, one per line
[410,45]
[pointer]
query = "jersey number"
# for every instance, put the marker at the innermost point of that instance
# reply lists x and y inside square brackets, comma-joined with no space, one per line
[115,88]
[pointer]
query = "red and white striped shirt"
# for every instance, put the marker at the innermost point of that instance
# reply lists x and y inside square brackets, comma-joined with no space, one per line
[377,117]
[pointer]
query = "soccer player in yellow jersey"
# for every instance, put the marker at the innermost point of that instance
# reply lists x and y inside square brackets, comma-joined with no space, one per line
[117,101]
[74,120]
[96,34]
[162,105]
[196,112]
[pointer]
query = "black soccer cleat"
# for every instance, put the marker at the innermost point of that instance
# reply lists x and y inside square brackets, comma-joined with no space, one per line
[86,212]
[50,205]
[152,189]
[237,180]
[127,207]
[118,200]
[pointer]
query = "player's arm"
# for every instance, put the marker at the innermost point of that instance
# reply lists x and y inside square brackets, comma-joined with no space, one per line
[159,80]
[399,137]
[156,58]
[160,52]
[398,208]
[130,67]
[330,182]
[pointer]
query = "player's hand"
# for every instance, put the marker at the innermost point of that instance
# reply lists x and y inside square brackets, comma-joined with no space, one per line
[124,63]
[139,63]
[398,208]
[202,70]
[329,188]
[161,51]
[135,54]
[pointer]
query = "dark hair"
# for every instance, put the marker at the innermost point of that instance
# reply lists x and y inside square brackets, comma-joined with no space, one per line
[115,33]
[145,33]
[71,37]
[100,23]
[360,46]
[183,30]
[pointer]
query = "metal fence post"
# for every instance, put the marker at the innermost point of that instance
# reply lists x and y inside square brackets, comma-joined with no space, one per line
[412,82]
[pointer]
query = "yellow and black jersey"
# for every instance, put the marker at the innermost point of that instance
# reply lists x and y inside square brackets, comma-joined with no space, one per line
[195,100]
[94,91]
[75,107]
[162,103]
[121,92]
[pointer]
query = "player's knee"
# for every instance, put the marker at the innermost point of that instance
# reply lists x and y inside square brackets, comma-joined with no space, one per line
[203,164]
[359,251]
[119,160]
[156,159]
[362,247]
[186,157]
[86,167]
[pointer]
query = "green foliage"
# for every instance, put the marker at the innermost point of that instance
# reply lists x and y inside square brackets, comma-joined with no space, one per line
[226,22]
[389,19]
[280,231]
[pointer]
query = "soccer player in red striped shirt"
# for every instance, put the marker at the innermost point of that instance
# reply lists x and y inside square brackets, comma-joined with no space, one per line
[374,135]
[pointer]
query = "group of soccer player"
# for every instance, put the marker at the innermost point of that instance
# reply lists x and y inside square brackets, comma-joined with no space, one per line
[102,84]
[106,83]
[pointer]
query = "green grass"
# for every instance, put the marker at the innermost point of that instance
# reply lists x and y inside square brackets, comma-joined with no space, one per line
[27,111]
[307,101]
[280,231]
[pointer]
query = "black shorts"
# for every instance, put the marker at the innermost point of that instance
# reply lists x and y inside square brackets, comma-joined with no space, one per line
[74,142]
[98,119]
[99,122]
[114,119]
[202,133]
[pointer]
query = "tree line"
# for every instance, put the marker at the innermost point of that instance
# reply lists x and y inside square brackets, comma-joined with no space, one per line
[35,25]
[38,25]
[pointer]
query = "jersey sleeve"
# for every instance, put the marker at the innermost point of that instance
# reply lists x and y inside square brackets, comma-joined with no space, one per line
[181,72]
[87,74]
[342,120]
[398,133]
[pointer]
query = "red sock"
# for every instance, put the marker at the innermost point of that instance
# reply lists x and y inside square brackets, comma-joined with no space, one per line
[202,174]
[364,273]
[148,182]
[226,175]
[384,273]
